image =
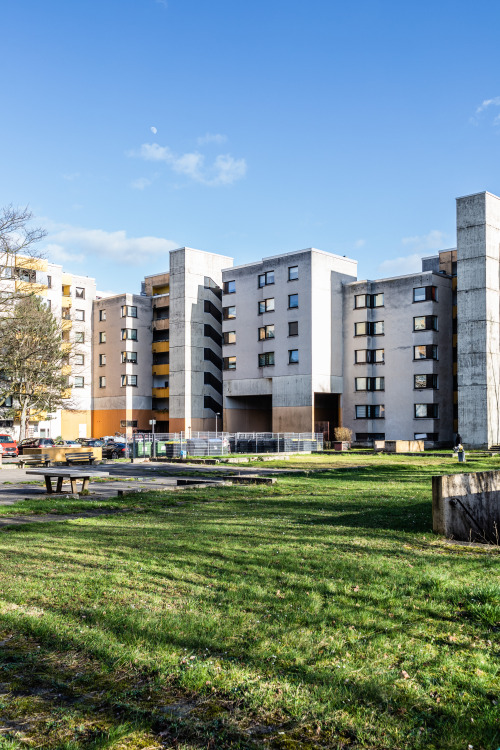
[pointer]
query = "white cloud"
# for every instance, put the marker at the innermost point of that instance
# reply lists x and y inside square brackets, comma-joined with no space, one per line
[487,103]
[420,245]
[140,183]
[434,240]
[153,130]
[224,170]
[360,243]
[211,138]
[112,245]
[101,295]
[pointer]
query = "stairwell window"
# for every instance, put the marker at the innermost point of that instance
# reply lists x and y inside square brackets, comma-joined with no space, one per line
[229,313]
[266,278]
[266,332]
[266,359]
[129,380]
[229,337]
[266,305]
[129,333]
[229,363]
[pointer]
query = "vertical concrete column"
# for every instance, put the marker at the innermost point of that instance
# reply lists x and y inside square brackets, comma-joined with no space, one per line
[478,296]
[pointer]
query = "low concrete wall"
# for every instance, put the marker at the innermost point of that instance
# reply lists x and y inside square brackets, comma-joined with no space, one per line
[467,506]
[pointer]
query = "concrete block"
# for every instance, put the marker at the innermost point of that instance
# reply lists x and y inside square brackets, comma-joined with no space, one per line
[467,506]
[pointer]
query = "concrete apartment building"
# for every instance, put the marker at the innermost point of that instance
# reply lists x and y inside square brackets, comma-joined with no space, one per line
[121,368]
[398,374]
[283,347]
[70,298]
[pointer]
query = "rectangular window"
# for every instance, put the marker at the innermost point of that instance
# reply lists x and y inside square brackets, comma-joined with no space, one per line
[432,436]
[266,360]
[129,311]
[102,337]
[229,313]
[293,273]
[266,305]
[130,357]
[78,359]
[364,436]
[229,363]
[368,300]
[425,323]
[79,382]
[266,332]
[368,328]
[293,356]
[229,287]
[369,384]
[375,411]
[48,304]
[129,333]
[80,292]
[79,314]
[102,360]
[128,423]
[49,282]
[425,293]
[102,381]
[102,314]
[425,381]
[129,380]
[229,337]
[293,300]
[426,411]
[429,351]
[266,278]
[369,356]
[79,337]
[293,328]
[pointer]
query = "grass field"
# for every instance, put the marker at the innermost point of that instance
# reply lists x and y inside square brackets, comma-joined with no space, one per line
[320,612]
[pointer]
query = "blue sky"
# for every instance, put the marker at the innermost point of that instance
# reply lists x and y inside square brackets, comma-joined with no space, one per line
[132,127]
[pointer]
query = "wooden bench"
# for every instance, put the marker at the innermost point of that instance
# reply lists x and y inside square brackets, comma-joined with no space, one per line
[77,457]
[68,475]
[44,459]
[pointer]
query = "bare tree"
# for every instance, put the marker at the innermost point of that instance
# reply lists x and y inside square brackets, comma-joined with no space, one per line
[18,241]
[32,378]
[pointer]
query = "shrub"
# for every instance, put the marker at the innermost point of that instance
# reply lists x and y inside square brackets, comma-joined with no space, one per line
[343,434]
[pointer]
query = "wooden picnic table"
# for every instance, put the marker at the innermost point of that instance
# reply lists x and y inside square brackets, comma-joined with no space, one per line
[62,474]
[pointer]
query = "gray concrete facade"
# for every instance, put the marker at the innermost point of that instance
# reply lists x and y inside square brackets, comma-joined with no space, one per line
[478,314]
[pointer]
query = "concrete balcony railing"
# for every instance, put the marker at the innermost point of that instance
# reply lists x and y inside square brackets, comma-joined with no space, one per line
[66,302]
[161,325]
[160,346]
[66,325]
[161,369]
[66,370]
[160,392]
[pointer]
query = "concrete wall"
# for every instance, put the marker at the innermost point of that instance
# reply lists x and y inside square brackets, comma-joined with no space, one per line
[467,506]
[189,270]
[399,367]
[478,290]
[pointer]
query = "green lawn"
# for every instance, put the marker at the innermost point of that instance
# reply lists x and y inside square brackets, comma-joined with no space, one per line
[320,612]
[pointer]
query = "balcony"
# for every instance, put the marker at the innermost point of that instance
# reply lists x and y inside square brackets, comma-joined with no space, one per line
[66,370]
[161,369]
[160,392]
[66,325]
[66,303]
[160,346]
[160,414]
[66,393]
[66,346]
[161,325]
[30,287]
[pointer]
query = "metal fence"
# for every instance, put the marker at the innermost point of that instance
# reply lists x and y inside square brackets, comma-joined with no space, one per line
[177,445]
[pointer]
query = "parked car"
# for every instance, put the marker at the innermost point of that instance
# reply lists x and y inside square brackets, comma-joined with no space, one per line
[8,446]
[35,443]
[115,450]
[91,442]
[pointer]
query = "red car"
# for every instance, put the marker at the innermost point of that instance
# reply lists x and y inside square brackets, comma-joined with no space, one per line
[8,446]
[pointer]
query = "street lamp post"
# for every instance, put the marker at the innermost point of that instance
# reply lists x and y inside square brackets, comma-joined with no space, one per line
[217,415]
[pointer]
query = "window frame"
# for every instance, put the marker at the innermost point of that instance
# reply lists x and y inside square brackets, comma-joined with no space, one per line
[229,363]
[102,381]
[430,323]
[292,361]
[102,315]
[102,360]
[429,376]
[125,334]
[427,347]
[79,289]
[293,323]
[227,289]
[264,275]
[102,337]
[125,311]
[77,312]
[226,315]
[370,411]
[126,382]
[430,294]
[266,309]
[290,277]
[78,359]
[266,330]
[435,408]
[226,340]
[125,358]
[264,359]
[290,296]
[78,384]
